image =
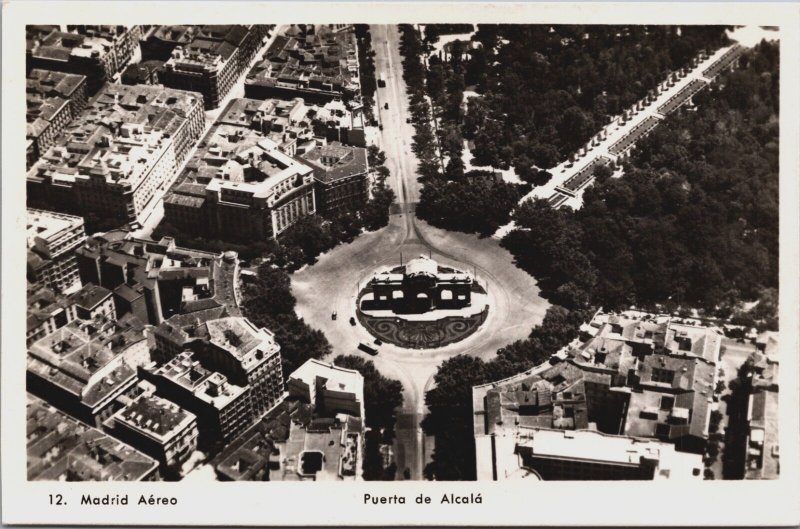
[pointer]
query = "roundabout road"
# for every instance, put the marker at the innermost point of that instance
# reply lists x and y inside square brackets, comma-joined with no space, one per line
[332,284]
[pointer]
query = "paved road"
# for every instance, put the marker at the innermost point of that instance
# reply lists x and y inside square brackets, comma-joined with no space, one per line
[333,282]
[155,210]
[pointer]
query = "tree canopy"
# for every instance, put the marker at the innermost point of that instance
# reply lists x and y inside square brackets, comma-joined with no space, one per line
[694,219]
[269,302]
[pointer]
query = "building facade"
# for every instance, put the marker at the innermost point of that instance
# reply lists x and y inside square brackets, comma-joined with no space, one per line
[118,154]
[98,52]
[157,428]
[209,59]
[248,358]
[52,101]
[47,312]
[315,433]
[566,455]
[419,286]
[83,367]
[52,239]
[155,280]
[223,409]
[314,62]
[331,389]
[240,187]
[631,375]
[340,177]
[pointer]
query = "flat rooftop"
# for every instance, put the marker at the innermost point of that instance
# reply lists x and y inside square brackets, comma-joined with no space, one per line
[155,416]
[335,161]
[336,378]
[209,386]
[60,448]
[47,225]
[73,356]
[586,445]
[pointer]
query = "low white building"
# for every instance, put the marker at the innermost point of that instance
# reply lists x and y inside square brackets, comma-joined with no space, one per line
[330,388]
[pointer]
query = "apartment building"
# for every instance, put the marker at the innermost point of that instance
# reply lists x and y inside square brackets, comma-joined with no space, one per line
[52,239]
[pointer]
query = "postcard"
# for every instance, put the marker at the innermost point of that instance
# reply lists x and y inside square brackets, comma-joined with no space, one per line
[400,264]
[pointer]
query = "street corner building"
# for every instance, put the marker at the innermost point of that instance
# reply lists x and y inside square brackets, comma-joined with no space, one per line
[207,59]
[630,398]
[264,165]
[52,239]
[314,61]
[225,370]
[100,53]
[315,433]
[124,148]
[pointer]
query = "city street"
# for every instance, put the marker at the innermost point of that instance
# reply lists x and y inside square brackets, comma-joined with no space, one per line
[333,282]
[155,209]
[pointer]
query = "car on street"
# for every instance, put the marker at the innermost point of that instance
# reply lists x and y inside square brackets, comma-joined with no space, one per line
[368,348]
[352,321]
[333,315]
[386,106]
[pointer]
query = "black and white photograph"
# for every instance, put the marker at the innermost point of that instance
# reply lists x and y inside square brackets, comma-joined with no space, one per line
[446,250]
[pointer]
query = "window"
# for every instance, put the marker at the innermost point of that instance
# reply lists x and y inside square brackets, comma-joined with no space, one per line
[662,375]
[662,430]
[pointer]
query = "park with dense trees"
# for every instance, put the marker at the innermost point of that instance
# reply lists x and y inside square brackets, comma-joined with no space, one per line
[545,90]
[694,219]
[693,222]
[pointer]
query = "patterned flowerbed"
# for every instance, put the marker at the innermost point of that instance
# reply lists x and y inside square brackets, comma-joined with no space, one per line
[422,334]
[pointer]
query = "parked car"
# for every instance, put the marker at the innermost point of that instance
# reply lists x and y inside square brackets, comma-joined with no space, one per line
[352,321]
[367,348]
[333,315]
[386,106]
[378,341]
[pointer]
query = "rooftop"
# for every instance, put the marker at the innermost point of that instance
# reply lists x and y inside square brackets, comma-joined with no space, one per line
[47,92]
[209,386]
[663,370]
[234,160]
[43,304]
[336,378]
[60,448]
[209,276]
[89,296]
[86,357]
[419,267]
[763,441]
[204,46]
[48,225]
[118,135]
[311,57]
[594,446]
[335,161]
[155,417]
[321,449]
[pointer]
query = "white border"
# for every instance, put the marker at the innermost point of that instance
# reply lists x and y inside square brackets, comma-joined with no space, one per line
[552,503]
